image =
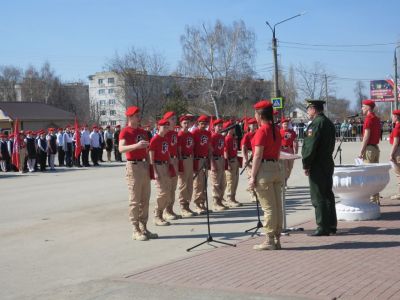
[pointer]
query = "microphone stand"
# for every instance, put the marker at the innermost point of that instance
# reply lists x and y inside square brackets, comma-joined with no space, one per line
[209,238]
[259,223]
[339,150]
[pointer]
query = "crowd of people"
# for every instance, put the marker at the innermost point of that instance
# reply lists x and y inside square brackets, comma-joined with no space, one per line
[38,150]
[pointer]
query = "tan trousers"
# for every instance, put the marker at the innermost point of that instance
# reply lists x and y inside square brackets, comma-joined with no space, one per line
[218,180]
[269,189]
[288,163]
[22,155]
[372,156]
[232,180]
[138,179]
[199,196]
[163,184]
[185,183]
[397,165]
[249,167]
[174,182]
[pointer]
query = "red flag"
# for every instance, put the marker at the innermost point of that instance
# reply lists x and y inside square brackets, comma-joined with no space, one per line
[211,126]
[16,146]
[78,147]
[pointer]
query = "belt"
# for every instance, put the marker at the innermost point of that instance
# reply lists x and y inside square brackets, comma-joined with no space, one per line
[217,157]
[200,157]
[286,147]
[161,162]
[265,160]
[375,145]
[137,160]
[174,156]
[186,157]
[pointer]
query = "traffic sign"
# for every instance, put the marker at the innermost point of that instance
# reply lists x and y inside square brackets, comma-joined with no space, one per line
[277,103]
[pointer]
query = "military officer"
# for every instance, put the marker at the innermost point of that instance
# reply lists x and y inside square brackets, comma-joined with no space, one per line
[266,178]
[134,142]
[318,165]
[371,135]
[217,173]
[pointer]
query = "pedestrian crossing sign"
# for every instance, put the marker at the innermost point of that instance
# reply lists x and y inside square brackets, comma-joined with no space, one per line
[277,103]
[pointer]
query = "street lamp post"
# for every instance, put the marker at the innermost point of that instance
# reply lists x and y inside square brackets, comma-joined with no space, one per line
[277,92]
[396,96]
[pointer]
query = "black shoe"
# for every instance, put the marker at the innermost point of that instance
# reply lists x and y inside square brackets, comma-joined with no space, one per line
[332,230]
[319,233]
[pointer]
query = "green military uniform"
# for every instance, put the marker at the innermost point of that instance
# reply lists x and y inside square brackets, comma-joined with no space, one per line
[318,147]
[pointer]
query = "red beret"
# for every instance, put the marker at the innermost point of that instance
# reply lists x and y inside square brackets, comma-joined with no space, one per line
[177,127]
[275,112]
[262,104]
[51,129]
[285,120]
[118,126]
[184,118]
[218,121]
[2,136]
[202,118]
[108,126]
[396,112]
[60,129]
[369,102]
[163,122]
[131,110]
[168,115]
[252,121]
[227,124]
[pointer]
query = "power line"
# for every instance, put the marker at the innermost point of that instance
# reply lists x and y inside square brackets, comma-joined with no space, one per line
[339,45]
[338,50]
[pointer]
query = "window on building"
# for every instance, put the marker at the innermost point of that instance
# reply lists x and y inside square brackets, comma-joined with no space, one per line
[112,112]
[103,113]
[102,102]
[113,123]
[111,80]
[103,123]
[111,91]
[102,91]
[100,81]
[111,102]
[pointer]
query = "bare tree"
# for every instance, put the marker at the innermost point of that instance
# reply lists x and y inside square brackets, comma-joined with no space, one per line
[9,77]
[311,82]
[289,90]
[359,92]
[140,78]
[218,53]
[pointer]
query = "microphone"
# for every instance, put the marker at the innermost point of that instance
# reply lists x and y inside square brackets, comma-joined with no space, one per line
[352,116]
[229,128]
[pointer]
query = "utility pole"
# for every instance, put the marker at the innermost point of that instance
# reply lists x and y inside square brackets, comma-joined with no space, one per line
[326,94]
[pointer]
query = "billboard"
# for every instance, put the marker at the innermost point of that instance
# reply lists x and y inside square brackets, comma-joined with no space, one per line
[382,90]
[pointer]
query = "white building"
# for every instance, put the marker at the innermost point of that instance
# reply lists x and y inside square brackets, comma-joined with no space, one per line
[107,98]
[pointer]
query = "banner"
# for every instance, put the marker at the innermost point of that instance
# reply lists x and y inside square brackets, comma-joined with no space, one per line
[382,90]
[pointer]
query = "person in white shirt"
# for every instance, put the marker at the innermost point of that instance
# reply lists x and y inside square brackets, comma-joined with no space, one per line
[95,145]
[67,147]
[108,139]
[60,147]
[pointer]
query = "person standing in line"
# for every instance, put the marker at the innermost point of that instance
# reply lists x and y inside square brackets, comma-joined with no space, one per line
[134,143]
[266,179]
[42,150]
[108,138]
[85,140]
[95,145]
[289,145]
[102,144]
[172,137]
[31,151]
[202,155]
[51,139]
[161,163]
[185,168]
[4,157]
[371,135]
[60,147]
[68,147]
[217,172]
[232,163]
[77,160]
[245,145]
[117,154]
[318,165]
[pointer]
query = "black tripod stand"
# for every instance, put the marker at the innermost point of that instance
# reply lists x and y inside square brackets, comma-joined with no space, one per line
[339,150]
[209,238]
[259,223]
